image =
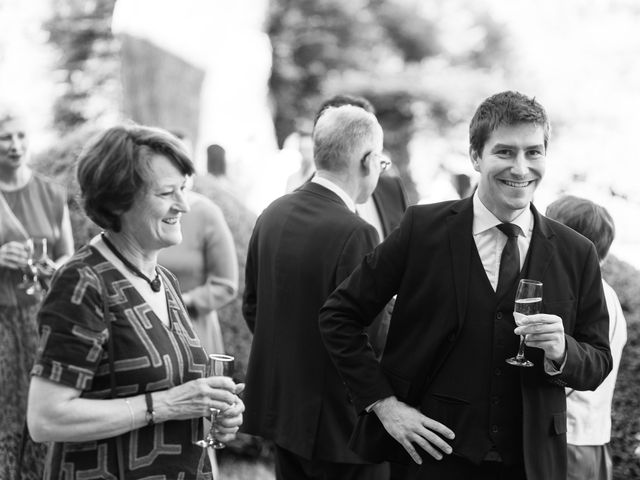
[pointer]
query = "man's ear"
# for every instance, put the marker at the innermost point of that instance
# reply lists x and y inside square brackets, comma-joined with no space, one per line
[475,158]
[364,163]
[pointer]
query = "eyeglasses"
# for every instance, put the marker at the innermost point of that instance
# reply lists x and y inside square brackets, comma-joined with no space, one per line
[385,162]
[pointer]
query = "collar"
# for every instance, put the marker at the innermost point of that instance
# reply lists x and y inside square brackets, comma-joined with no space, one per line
[483,219]
[329,185]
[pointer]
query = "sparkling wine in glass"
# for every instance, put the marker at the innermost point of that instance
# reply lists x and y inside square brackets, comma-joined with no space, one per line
[528,302]
[222,366]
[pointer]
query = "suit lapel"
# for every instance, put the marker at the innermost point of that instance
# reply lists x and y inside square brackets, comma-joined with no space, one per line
[459,225]
[542,247]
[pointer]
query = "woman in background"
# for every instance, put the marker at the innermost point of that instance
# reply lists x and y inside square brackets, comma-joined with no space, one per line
[31,207]
[112,308]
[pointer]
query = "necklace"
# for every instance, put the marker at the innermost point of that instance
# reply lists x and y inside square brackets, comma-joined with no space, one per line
[155,284]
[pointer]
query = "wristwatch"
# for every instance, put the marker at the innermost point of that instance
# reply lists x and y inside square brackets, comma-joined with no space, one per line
[150,414]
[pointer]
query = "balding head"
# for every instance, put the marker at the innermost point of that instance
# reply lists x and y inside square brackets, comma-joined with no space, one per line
[342,136]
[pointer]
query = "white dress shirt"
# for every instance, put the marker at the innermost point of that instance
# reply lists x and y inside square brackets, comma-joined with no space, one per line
[369,212]
[490,240]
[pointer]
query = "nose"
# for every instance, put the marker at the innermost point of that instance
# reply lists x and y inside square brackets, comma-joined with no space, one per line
[17,141]
[182,203]
[520,165]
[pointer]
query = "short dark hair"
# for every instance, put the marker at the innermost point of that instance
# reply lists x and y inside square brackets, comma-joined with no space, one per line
[216,160]
[505,108]
[344,99]
[113,169]
[587,218]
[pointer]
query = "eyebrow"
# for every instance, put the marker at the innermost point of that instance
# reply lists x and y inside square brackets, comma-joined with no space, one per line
[498,146]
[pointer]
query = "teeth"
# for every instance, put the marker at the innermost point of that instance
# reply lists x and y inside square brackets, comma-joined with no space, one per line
[171,221]
[516,184]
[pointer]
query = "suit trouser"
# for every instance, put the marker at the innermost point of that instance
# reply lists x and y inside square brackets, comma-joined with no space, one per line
[456,468]
[290,466]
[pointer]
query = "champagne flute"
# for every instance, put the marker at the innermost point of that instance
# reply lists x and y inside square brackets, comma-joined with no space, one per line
[46,267]
[30,274]
[528,302]
[219,365]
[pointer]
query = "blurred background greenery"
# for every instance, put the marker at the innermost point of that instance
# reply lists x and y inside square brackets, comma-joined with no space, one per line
[246,73]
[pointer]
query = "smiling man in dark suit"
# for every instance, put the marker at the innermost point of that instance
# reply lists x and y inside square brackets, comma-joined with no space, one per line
[303,245]
[442,394]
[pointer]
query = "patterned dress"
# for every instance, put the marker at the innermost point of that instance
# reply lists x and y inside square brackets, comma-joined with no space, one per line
[148,356]
[38,207]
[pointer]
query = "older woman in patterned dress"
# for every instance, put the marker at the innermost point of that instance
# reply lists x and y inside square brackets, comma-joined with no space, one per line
[133,183]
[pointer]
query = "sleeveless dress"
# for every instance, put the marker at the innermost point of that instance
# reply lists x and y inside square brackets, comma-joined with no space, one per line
[38,207]
[148,356]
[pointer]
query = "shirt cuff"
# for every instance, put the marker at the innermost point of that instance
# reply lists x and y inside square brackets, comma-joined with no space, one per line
[552,368]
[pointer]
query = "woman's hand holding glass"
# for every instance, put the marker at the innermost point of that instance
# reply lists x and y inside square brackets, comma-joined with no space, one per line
[196,398]
[14,255]
[227,423]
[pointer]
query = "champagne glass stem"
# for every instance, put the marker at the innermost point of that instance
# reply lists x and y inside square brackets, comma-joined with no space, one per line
[520,354]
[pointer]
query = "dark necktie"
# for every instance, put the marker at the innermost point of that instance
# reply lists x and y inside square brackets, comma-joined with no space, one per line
[510,259]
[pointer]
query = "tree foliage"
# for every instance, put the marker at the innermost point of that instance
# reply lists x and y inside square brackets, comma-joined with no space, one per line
[315,39]
[87,65]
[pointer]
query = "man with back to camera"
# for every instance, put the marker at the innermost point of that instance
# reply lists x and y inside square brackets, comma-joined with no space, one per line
[303,245]
[442,400]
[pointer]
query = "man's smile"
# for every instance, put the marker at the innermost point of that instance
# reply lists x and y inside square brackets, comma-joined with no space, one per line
[514,184]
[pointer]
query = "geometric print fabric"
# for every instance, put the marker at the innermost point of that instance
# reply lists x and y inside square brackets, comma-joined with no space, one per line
[149,356]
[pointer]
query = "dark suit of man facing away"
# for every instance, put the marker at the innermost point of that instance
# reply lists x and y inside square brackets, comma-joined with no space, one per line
[443,371]
[303,245]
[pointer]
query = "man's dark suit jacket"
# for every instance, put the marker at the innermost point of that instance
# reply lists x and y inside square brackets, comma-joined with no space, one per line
[303,245]
[426,261]
[390,200]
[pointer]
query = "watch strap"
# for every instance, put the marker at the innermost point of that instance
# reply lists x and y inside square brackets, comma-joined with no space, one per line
[150,415]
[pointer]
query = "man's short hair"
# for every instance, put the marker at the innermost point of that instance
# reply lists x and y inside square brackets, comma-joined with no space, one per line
[113,168]
[505,109]
[340,132]
[344,99]
[587,218]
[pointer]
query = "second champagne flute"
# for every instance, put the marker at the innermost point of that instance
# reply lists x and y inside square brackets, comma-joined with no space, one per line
[528,302]
[222,366]
[219,365]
